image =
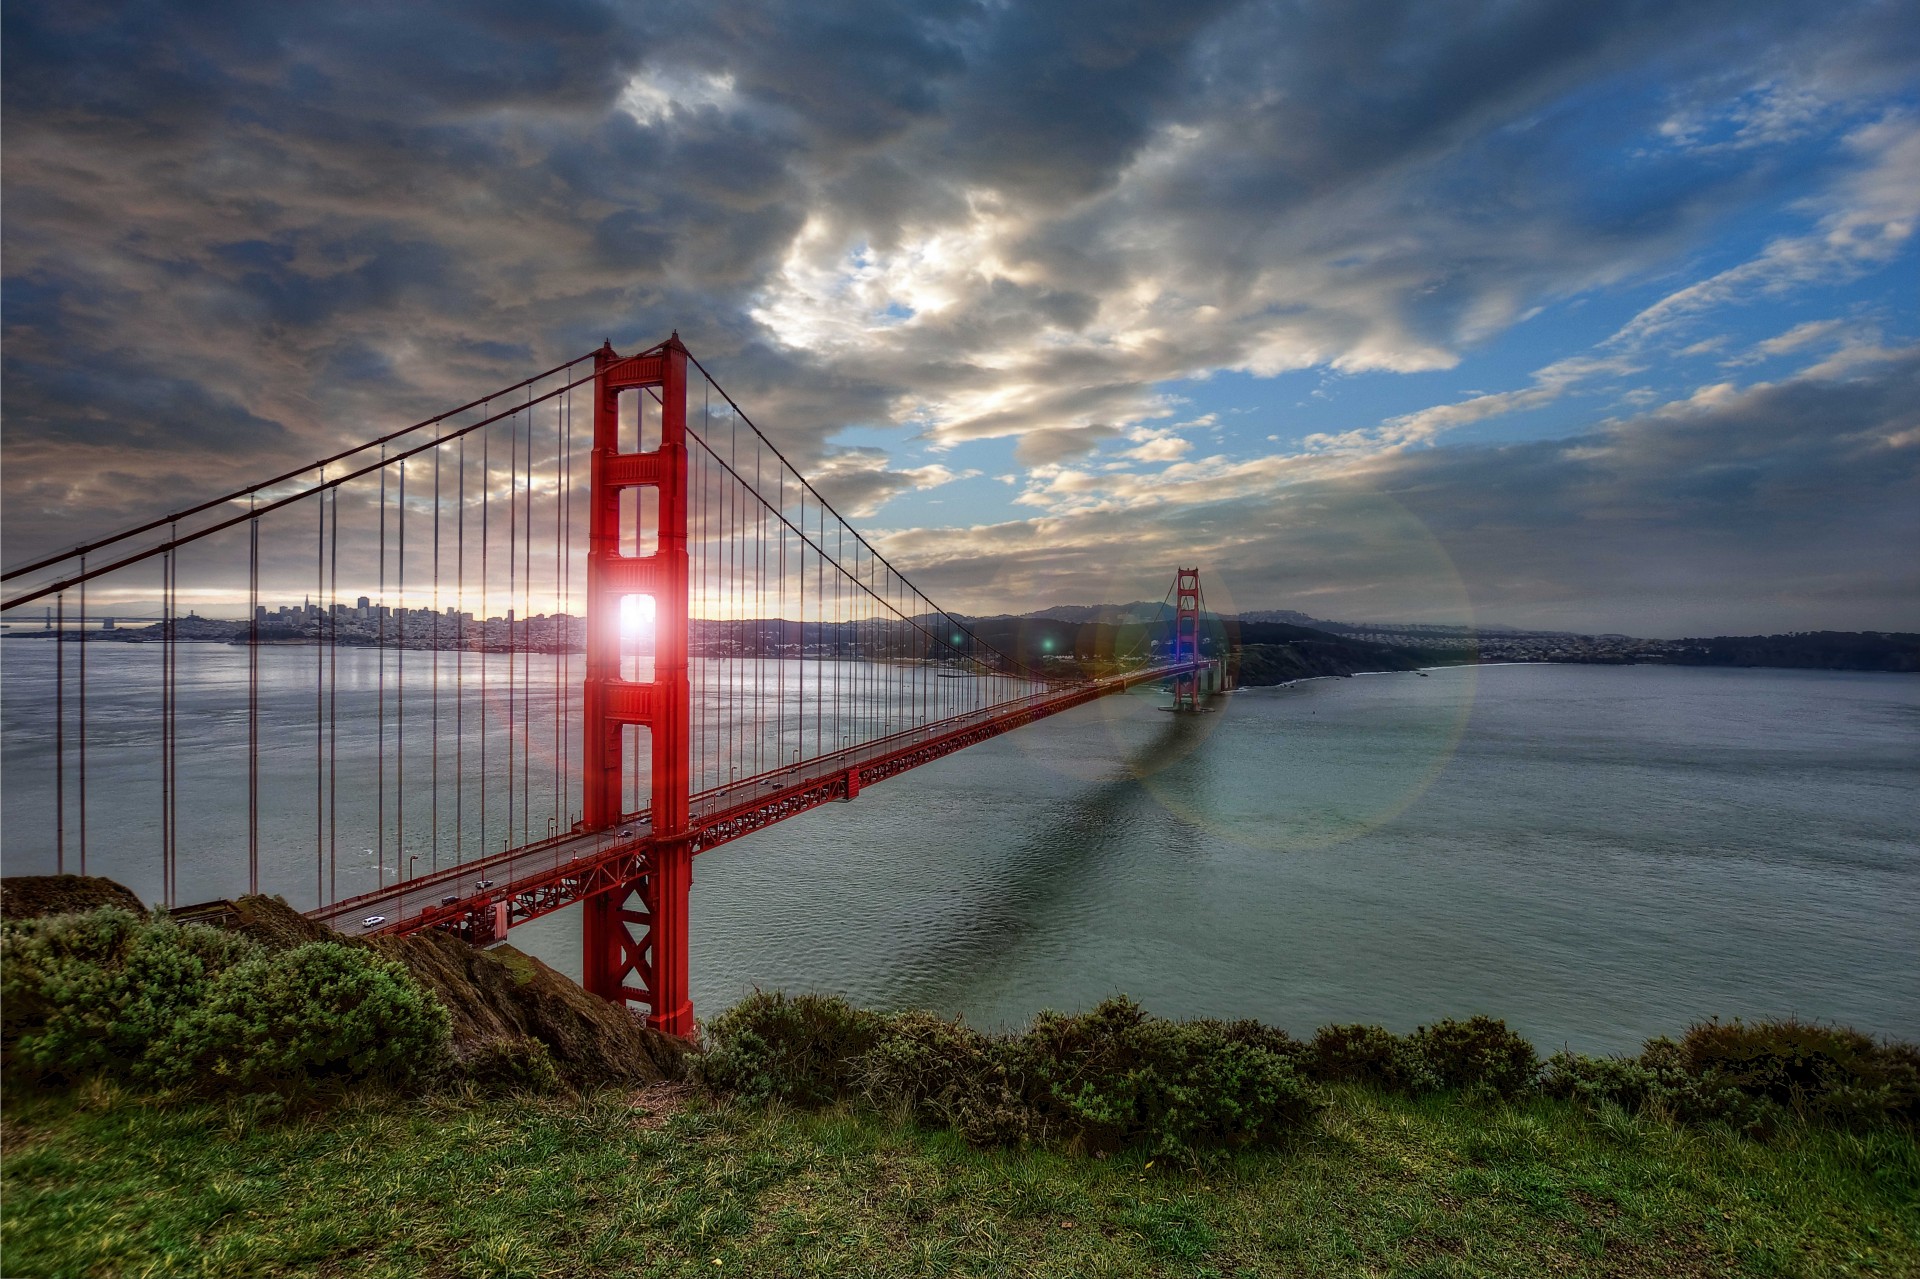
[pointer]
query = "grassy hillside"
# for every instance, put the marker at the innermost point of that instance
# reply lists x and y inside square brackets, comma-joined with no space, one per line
[649,1184]
[236,1097]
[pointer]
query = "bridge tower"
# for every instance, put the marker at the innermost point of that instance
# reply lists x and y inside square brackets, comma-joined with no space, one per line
[1186,637]
[634,938]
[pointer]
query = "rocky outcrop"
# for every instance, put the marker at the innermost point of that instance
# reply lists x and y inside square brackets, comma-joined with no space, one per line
[504,995]
[32,896]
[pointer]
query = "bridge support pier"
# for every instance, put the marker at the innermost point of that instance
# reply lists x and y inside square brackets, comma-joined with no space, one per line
[635,941]
[634,936]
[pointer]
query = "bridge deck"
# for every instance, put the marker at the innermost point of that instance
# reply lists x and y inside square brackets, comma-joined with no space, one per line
[547,876]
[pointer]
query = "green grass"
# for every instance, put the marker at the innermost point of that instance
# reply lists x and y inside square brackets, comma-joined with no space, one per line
[97,1183]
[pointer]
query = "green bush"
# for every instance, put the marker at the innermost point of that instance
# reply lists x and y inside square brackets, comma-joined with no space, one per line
[945,1074]
[1102,1079]
[1752,1077]
[516,1064]
[1114,1077]
[96,992]
[1595,1081]
[1826,1073]
[800,1049]
[1476,1056]
[284,1021]
[148,1001]
[1360,1054]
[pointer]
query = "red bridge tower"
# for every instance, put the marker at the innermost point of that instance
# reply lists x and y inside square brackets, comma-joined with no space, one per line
[1186,637]
[634,938]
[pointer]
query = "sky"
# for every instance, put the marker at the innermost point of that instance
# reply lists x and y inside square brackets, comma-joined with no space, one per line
[1562,315]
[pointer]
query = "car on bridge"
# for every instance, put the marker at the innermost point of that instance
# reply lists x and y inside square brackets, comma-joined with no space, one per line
[373,921]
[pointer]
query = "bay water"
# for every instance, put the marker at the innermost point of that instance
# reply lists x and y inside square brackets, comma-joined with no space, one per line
[1596,854]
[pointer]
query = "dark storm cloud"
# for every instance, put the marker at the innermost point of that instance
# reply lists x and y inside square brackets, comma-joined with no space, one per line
[244,233]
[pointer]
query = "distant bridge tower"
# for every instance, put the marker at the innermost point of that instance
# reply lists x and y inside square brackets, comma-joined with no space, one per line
[634,938]
[1186,638]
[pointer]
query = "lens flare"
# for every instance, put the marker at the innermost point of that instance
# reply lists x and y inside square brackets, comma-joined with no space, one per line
[636,617]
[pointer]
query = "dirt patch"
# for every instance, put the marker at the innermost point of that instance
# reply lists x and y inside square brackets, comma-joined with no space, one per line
[656,1103]
[35,896]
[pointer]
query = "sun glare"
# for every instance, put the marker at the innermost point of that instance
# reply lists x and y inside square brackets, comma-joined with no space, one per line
[636,616]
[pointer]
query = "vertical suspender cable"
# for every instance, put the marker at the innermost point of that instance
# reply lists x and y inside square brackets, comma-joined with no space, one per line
[513,564]
[400,865]
[60,734]
[526,640]
[760,619]
[320,696]
[460,664]
[380,721]
[434,672]
[253,702]
[333,712]
[166,724]
[557,631]
[486,486]
[83,715]
[566,612]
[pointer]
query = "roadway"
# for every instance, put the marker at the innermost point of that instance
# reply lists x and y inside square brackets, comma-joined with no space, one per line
[507,873]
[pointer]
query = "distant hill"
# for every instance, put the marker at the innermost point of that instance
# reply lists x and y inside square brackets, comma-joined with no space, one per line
[1292,616]
[1896,651]
[1110,614]
[1277,645]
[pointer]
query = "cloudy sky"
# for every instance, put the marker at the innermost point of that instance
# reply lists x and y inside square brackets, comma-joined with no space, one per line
[1575,315]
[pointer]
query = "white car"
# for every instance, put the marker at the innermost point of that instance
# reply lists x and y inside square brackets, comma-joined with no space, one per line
[373,921]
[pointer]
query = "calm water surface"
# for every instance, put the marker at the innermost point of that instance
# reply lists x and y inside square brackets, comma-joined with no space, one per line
[1597,854]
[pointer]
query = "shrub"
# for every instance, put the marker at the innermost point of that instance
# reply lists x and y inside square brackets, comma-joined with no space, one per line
[800,1049]
[287,1020]
[1359,1054]
[1478,1055]
[1828,1073]
[1114,1077]
[97,991]
[149,1001]
[1595,1081]
[1102,1079]
[944,1074]
[515,1064]
[1901,1066]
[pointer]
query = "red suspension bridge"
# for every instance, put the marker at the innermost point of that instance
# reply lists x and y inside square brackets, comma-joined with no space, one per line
[748,655]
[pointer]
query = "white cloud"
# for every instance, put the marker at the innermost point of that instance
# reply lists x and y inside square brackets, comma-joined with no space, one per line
[1869,218]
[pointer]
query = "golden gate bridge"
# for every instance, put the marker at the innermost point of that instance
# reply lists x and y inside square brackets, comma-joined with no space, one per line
[749,656]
